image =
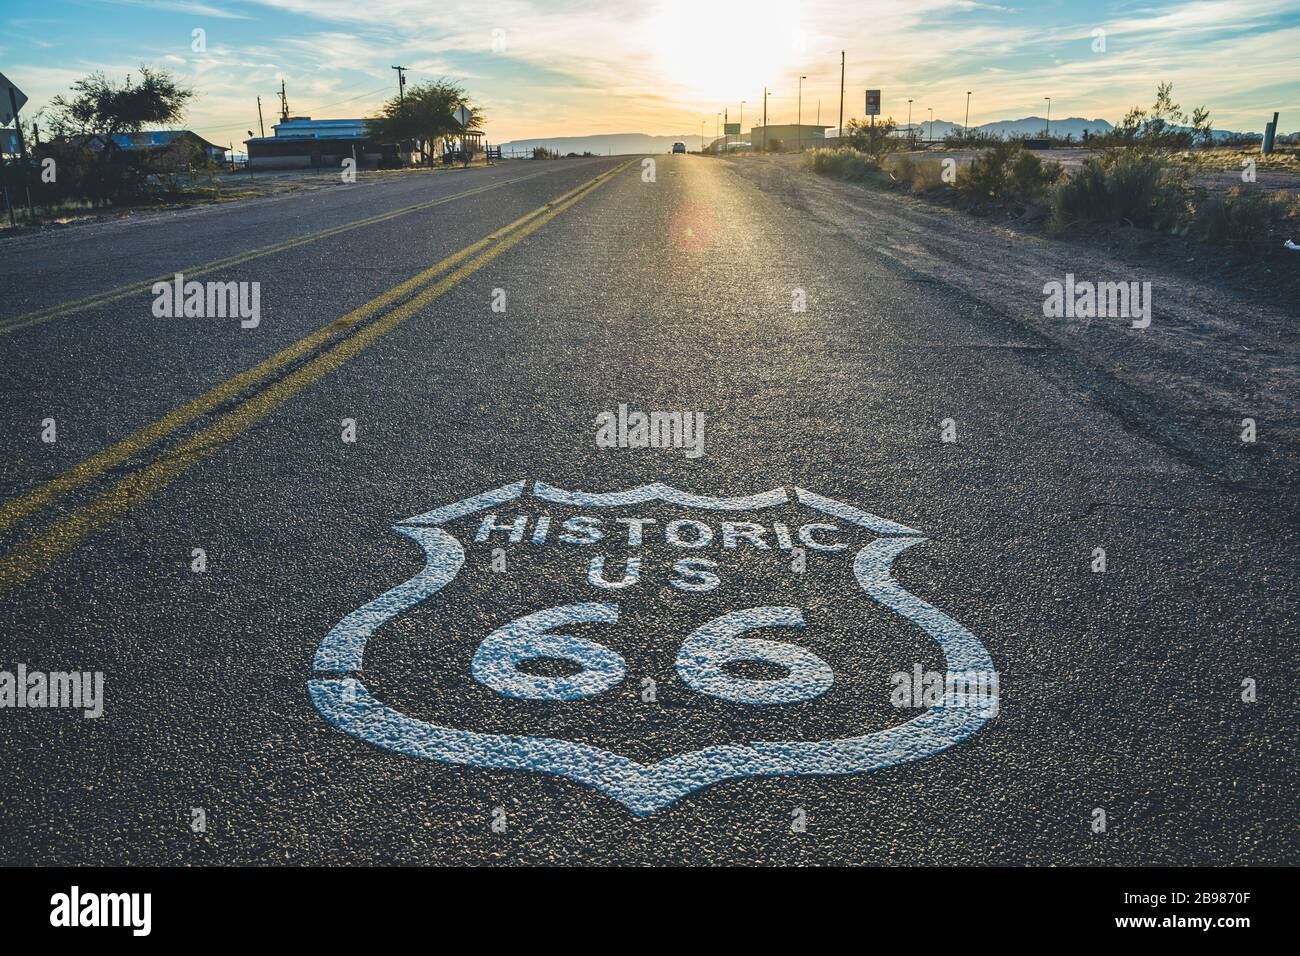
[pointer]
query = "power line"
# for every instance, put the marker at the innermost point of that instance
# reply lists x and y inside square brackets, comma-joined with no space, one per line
[351,98]
[326,106]
[243,124]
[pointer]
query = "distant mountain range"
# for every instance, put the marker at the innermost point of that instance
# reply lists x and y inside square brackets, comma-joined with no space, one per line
[1017,128]
[621,144]
[1035,125]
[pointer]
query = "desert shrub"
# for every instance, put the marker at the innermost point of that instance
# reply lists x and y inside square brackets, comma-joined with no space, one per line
[986,175]
[925,175]
[1006,172]
[1030,176]
[1164,126]
[1126,187]
[80,176]
[844,163]
[1242,216]
[107,176]
[874,139]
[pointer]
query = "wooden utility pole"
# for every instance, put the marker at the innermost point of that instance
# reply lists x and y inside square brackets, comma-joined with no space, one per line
[799,117]
[401,83]
[841,132]
[261,128]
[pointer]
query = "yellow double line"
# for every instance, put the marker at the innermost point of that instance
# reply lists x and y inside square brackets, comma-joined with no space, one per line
[47,546]
[39,316]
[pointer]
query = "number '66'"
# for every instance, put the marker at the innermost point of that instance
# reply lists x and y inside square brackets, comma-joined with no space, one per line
[700,660]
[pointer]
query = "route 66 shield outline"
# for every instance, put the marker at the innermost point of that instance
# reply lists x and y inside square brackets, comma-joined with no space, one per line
[645,788]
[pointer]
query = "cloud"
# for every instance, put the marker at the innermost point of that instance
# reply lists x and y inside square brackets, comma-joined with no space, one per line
[183,6]
[564,66]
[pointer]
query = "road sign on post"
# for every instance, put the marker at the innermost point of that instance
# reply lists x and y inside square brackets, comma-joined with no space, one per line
[873,103]
[12,99]
[731,129]
[462,116]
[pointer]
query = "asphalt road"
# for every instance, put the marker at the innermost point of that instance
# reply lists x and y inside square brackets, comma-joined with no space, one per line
[1118,691]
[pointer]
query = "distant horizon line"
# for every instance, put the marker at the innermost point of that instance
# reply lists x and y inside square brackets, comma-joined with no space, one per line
[937,121]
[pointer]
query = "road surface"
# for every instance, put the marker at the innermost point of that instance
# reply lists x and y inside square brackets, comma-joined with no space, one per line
[308,658]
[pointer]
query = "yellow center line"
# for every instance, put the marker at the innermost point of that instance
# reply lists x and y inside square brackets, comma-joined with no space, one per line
[46,547]
[76,476]
[40,316]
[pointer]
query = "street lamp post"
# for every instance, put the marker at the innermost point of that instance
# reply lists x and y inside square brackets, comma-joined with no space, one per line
[798,126]
[966,126]
[742,121]
[911,133]
[1049,116]
[931,109]
[766,94]
[717,129]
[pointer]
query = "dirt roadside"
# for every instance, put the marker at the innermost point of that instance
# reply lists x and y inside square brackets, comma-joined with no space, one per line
[1221,346]
[226,188]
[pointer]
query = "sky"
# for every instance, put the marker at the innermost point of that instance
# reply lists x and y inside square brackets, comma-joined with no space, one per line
[545,68]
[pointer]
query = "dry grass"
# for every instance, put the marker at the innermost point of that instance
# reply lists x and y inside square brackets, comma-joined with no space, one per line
[1284,159]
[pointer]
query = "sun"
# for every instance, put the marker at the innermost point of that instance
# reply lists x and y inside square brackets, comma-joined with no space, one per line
[723,50]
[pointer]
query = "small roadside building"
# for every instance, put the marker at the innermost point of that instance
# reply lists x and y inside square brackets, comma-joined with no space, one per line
[165,146]
[789,137]
[301,142]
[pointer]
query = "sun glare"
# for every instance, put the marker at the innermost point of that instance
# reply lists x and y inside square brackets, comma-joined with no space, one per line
[722,50]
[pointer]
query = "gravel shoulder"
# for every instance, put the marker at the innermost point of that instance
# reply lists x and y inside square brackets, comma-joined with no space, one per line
[1222,346]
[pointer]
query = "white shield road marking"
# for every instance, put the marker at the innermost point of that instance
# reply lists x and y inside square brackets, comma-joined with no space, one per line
[646,788]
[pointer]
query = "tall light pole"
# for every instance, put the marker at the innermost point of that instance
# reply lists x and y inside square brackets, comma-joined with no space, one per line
[799,118]
[717,128]
[766,94]
[911,133]
[742,120]
[1049,116]
[931,109]
[841,129]
[966,126]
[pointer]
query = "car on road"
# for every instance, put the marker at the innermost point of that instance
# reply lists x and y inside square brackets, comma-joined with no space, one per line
[679,147]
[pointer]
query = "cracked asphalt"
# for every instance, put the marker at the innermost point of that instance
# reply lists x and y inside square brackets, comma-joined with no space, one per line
[1119,691]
